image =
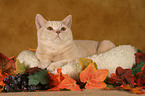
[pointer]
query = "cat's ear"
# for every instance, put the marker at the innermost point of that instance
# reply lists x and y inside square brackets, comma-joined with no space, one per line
[67,21]
[39,21]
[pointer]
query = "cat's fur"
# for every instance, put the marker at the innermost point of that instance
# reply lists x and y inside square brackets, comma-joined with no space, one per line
[56,46]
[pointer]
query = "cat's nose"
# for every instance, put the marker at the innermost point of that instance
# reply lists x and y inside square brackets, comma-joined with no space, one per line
[57,32]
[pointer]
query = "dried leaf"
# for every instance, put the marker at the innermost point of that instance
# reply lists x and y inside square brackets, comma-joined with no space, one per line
[84,62]
[7,65]
[93,77]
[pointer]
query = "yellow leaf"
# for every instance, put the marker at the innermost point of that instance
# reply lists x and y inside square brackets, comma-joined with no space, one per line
[20,67]
[84,62]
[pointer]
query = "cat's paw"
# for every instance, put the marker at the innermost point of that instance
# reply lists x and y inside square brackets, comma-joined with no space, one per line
[54,66]
[52,69]
[44,64]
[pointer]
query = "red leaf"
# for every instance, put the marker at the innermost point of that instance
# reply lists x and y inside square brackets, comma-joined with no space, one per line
[93,77]
[140,77]
[31,71]
[7,65]
[140,57]
[122,77]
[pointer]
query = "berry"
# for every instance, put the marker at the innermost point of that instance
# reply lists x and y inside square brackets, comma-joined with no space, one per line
[7,88]
[6,81]
[20,82]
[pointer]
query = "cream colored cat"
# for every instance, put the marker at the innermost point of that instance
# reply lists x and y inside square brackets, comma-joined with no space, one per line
[56,46]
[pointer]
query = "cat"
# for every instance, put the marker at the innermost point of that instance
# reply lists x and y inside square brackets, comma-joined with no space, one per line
[56,46]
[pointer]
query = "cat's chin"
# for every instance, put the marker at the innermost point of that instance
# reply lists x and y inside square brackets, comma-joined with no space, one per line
[58,40]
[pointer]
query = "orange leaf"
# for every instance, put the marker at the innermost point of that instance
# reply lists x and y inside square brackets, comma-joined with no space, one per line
[2,76]
[69,83]
[61,81]
[93,77]
[56,79]
[54,89]
[34,50]
[137,90]
[92,84]
[126,87]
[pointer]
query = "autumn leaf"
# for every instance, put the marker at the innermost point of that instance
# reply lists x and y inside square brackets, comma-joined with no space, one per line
[2,76]
[56,79]
[139,51]
[34,50]
[7,65]
[31,71]
[137,90]
[60,82]
[20,67]
[93,78]
[126,87]
[139,57]
[140,77]
[122,77]
[69,83]
[111,87]
[84,62]
[38,77]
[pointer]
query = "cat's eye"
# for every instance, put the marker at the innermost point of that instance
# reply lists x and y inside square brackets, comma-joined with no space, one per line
[63,29]
[49,28]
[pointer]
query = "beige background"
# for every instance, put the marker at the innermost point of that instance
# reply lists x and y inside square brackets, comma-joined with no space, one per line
[121,21]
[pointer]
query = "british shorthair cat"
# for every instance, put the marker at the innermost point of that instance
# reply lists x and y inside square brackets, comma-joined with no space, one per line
[56,46]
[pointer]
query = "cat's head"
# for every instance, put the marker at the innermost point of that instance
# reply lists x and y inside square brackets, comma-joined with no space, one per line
[54,31]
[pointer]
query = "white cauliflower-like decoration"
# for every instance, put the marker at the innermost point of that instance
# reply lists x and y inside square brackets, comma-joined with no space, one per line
[122,56]
[28,58]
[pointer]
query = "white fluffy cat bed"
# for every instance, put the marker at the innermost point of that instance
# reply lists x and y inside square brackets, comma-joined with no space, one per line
[122,56]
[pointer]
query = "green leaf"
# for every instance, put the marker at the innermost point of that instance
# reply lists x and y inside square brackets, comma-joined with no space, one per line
[139,51]
[20,67]
[106,80]
[95,65]
[138,67]
[33,81]
[38,77]
[64,89]
[84,62]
